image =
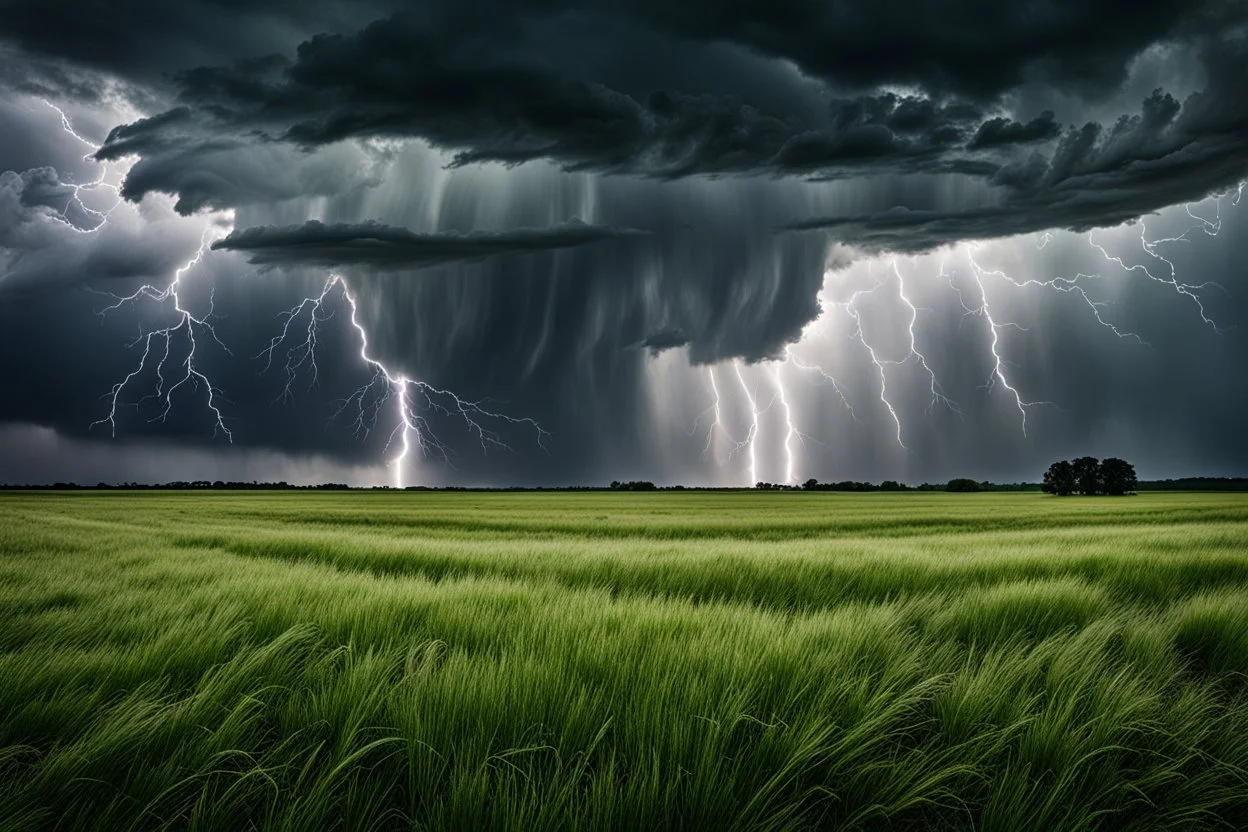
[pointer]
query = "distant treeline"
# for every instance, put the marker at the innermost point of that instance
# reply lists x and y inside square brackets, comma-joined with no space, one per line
[959,484]
[1195,484]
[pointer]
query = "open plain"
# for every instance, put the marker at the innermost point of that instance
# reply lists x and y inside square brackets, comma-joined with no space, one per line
[698,660]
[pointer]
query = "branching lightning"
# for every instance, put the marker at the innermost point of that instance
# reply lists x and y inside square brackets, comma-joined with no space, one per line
[174,352]
[184,330]
[412,428]
[184,336]
[937,394]
[851,309]
[824,375]
[1152,247]
[716,414]
[77,190]
[187,330]
[998,363]
[1066,285]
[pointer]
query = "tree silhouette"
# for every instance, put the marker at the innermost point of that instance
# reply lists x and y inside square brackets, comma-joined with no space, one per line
[1087,475]
[1060,479]
[1117,477]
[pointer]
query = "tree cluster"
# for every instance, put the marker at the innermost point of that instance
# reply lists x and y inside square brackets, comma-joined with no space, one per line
[1088,476]
[633,485]
[813,484]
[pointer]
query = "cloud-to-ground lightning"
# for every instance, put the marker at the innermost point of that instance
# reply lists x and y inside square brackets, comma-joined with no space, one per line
[412,428]
[751,437]
[184,329]
[174,352]
[791,431]
[184,336]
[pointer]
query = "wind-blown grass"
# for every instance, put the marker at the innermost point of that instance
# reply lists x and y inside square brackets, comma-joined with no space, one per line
[597,661]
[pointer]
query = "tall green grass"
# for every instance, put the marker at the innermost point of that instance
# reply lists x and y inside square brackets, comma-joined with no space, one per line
[594,661]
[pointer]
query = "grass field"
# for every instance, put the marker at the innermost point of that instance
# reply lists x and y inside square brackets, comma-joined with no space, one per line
[623,661]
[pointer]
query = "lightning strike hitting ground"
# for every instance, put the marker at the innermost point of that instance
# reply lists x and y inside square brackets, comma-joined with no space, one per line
[183,330]
[173,352]
[791,430]
[412,429]
[748,443]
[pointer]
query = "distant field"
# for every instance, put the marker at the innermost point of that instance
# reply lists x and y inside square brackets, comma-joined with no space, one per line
[357,661]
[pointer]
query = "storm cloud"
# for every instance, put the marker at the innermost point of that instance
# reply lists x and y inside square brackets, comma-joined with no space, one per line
[382,247]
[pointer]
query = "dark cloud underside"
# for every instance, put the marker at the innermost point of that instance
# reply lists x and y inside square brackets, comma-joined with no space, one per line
[384,247]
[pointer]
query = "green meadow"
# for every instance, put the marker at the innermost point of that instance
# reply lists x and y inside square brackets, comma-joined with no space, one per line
[718,661]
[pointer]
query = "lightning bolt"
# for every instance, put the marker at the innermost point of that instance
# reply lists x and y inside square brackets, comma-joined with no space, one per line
[851,309]
[998,371]
[748,442]
[824,375]
[188,327]
[715,412]
[937,394]
[411,397]
[1066,285]
[184,329]
[1151,247]
[77,190]
[791,430]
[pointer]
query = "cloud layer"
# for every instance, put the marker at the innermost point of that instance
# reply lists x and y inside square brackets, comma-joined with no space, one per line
[382,247]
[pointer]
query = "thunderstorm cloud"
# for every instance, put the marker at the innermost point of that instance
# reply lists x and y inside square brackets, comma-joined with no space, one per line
[383,247]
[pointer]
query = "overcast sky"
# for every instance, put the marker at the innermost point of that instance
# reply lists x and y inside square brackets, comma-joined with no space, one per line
[566,242]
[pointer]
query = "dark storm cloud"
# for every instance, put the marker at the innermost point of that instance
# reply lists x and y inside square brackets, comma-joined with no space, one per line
[489,99]
[57,46]
[1096,176]
[975,47]
[487,91]
[997,132]
[665,339]
[978,47]
[381,247]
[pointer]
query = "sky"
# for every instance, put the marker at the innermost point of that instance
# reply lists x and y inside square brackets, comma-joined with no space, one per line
[565,242]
